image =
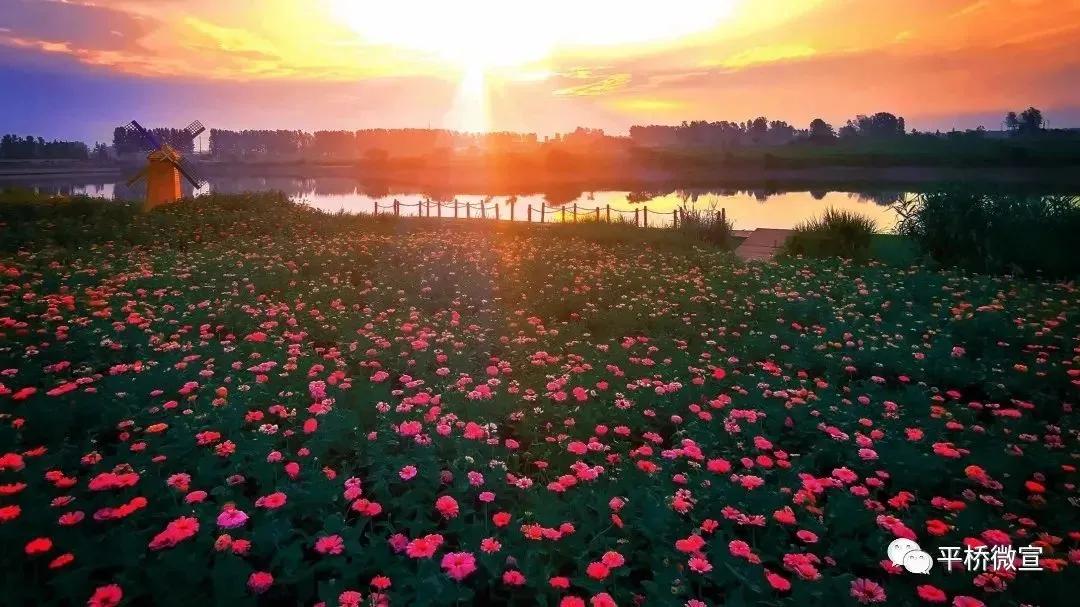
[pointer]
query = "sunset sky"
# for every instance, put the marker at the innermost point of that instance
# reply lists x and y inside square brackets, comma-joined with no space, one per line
[76,68]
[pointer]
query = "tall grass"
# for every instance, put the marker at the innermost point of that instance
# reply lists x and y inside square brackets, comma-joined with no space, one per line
[996,232]
[708,226]
[837,233]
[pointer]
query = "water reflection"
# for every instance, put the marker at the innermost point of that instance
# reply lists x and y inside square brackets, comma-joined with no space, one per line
[747,208]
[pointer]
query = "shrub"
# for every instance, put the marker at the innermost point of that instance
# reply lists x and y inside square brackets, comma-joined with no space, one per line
[837,233]
[996,232]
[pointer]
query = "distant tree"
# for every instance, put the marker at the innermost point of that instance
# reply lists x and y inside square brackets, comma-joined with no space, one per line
[780,132]
[821,131]
[101,152]
[758,128]
[1031,121]
[1012,122]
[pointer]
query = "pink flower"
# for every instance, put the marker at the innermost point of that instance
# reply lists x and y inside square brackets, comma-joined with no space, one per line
[739,548]
[424,547]
[330,544]
[271,502]
[612,559]
[350,598]
[407,473]
[231,518]
[700,564]
[260,581]
[778,582]
[447,506]
[866,591]
[458,565]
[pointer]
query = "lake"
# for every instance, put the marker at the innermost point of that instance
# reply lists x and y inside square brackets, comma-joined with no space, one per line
[747,208]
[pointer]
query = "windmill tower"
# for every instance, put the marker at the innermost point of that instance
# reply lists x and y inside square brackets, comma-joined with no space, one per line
[165,165]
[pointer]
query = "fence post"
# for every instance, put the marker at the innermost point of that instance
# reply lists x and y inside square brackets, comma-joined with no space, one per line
[376,203]
[637,218]
[575,212]
[542,211]
[675,218]
[609,212]
[397,207]
[483,210]
[597,214]
[438,209]
[645,216]
[468,210]
[562,213]
[513,203]
[496,211]
[723,215]
[529,214]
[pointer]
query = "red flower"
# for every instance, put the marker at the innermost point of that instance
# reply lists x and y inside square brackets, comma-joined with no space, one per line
[513,578]
[38,546]
[778,582]
[931,594]
[106,596]
[572,601]
[559,582]
[271,502]
[597,570]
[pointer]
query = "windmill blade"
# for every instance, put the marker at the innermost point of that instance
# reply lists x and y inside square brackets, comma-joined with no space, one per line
[138,177]
[188,171]
[149,140]
[193,130]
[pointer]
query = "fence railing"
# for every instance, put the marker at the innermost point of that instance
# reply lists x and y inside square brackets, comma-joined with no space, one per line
[542,213]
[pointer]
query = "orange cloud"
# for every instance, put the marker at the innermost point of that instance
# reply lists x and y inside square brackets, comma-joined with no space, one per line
[790,60]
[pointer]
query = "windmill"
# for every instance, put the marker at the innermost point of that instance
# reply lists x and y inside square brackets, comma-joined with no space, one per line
[165,164]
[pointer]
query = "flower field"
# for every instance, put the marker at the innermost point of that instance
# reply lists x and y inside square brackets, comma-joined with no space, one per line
[238,401]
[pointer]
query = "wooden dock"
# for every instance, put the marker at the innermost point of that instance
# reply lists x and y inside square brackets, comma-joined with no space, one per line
[761,244]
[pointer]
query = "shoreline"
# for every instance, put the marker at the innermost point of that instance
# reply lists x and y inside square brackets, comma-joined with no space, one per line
[496,181]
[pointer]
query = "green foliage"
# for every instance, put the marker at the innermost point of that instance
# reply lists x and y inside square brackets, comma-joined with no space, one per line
[996,232]
[837,233]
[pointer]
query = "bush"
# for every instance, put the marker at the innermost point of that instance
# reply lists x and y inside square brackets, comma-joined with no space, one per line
[837,233]
[997,232]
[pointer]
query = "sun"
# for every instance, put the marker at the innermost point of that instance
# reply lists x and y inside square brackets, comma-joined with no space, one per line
[470,41]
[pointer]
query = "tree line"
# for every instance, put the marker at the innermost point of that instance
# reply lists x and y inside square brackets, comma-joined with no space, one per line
[14,147]
[381,144]
[131,142]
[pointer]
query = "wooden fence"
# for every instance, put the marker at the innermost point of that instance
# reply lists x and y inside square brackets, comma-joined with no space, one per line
[542,213]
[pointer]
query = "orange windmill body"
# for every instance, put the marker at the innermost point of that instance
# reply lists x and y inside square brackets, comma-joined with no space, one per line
[165,165]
